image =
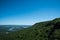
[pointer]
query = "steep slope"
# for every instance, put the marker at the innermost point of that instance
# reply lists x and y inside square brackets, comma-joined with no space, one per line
[48,30]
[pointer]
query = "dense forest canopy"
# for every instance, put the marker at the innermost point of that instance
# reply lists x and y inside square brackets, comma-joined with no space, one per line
[48,30]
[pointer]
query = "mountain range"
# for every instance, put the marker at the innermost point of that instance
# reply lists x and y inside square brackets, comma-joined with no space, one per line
[47,30]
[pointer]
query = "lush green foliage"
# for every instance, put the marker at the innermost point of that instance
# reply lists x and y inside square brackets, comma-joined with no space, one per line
[39,31]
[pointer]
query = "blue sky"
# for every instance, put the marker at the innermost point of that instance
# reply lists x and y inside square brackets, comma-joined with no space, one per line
[28,12]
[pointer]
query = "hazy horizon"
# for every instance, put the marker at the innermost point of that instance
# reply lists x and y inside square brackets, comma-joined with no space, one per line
[24,12]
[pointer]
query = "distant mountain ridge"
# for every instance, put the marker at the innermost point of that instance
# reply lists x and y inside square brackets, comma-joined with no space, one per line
[9,28]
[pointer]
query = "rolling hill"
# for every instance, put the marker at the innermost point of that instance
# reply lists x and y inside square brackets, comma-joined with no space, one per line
[47,30]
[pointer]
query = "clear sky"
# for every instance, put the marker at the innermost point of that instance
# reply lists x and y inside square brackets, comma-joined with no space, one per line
[28,12]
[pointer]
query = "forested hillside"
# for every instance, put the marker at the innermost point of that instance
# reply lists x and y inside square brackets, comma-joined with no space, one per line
[47,30]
